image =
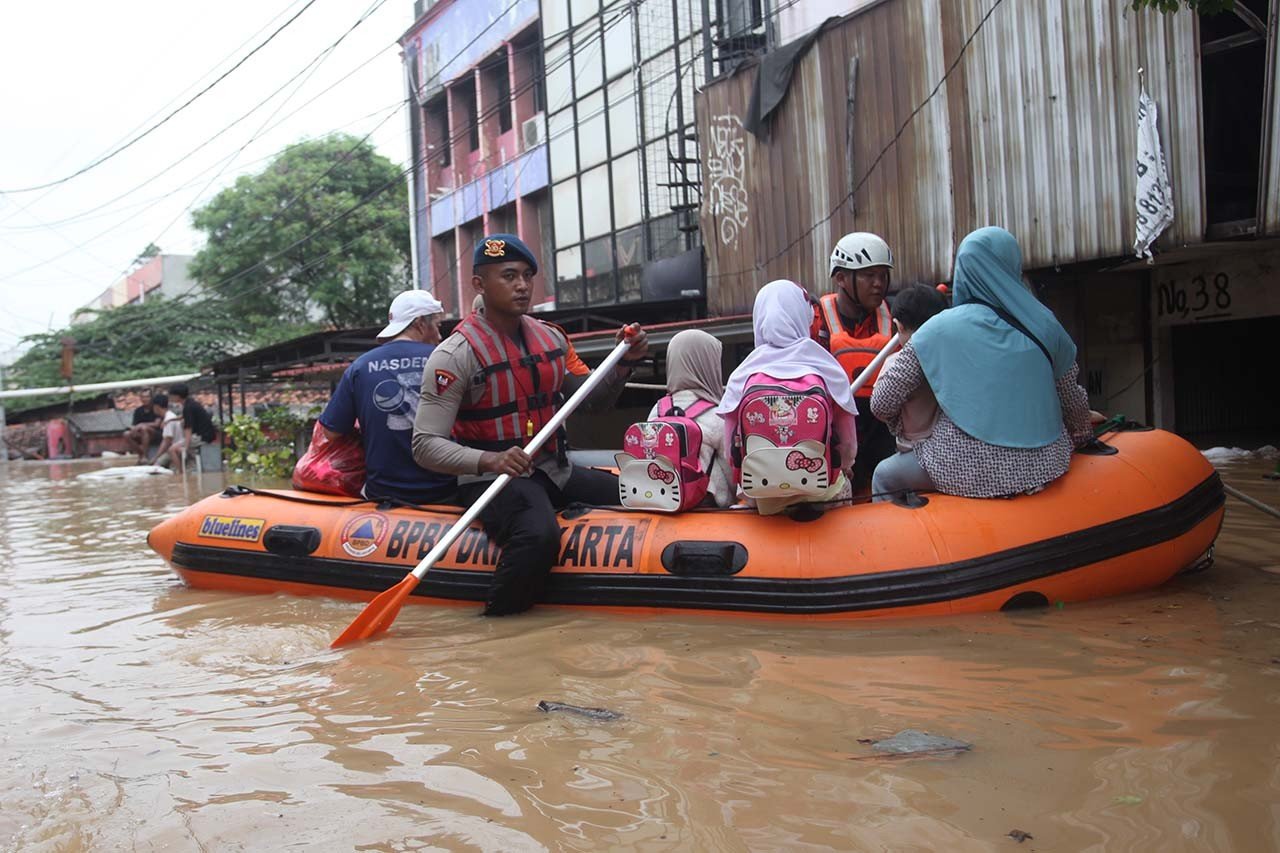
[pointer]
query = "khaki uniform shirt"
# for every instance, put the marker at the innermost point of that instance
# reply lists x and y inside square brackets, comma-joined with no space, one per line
[433,444]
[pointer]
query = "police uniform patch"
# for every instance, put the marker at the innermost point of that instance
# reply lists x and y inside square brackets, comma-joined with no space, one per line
[443,380]
[495,248]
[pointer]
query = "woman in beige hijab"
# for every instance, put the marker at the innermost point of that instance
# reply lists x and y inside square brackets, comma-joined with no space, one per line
[694,373]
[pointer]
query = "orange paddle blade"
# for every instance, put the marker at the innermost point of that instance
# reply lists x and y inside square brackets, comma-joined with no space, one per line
[378,614]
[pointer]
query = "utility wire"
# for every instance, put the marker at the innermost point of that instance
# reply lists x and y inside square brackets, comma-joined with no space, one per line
[368,197]
[309,67]
[144,134]
[23,207]
[219,287]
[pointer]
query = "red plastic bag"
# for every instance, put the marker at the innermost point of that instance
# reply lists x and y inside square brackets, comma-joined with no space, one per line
[332,466]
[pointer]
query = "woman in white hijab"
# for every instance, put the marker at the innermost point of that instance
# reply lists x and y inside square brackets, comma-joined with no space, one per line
[694,374]
[781,318]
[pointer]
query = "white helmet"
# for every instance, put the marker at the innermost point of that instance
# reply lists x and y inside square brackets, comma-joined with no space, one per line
[860,250]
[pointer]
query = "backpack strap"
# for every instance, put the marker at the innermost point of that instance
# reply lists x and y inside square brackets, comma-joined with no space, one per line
[698,409]
[666,406]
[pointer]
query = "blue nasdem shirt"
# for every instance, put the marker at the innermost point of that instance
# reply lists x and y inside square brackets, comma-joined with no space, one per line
[381,390]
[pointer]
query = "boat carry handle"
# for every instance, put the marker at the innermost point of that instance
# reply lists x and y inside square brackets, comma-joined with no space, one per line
[693,558]
[289,540]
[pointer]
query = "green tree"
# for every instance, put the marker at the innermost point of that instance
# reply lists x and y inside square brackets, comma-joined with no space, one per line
[146,254]
[324,227]
[1203,7]
[156,338]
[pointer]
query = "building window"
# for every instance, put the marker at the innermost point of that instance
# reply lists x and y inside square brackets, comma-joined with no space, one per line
[598,270]
[439,150]
[504,95]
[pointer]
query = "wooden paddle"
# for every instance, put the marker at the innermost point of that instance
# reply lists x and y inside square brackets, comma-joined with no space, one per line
[870,370]
[378,615]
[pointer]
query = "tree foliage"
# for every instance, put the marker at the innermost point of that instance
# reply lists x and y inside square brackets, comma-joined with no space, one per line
[147,254]
[323,229]
[154,338]
[1203,7]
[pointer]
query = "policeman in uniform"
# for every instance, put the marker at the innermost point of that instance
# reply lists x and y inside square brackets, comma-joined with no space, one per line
[486,391]
[854,323]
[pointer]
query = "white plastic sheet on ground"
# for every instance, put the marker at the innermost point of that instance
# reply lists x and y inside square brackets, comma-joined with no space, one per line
[127,472]
[1154,199]
[1226,454]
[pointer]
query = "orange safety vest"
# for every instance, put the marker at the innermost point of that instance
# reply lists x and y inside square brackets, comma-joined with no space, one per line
[854,354]
[521,392]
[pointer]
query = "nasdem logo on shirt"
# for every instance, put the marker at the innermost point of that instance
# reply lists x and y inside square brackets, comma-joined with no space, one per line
[443,380]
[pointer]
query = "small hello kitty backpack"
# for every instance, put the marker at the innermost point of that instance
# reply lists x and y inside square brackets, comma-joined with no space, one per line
[659,469]
[782,444]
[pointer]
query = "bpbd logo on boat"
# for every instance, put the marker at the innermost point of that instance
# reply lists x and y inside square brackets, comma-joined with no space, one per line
[363,534]
[231,527]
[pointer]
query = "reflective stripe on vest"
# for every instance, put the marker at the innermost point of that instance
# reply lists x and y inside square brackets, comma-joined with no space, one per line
[854,354]
[520,392]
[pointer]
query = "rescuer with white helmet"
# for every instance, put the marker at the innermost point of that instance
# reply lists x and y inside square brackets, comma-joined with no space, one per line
[855,325]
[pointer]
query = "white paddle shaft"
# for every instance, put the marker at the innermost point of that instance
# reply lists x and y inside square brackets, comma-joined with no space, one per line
[597,376]
[870,369]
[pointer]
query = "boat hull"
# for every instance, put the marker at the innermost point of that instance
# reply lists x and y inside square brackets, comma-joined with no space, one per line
[1113,525]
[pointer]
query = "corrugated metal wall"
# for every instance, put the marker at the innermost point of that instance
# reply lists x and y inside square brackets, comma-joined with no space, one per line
[1035,130]
[1269,185]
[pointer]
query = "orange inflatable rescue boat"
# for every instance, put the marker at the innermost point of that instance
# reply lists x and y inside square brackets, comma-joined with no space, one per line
[1114,524]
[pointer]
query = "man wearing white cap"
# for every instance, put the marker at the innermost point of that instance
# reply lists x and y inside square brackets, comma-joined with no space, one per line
[380,391]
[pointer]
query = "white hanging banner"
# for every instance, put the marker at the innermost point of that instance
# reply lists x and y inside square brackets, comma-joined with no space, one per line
[1154,199]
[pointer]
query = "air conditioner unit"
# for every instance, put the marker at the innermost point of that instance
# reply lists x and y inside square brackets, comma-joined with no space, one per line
[531,132]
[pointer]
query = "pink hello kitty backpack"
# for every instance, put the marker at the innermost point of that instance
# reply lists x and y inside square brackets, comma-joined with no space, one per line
[782,445]
[658,469]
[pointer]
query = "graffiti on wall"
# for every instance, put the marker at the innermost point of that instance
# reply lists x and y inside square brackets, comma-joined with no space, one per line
[726,167]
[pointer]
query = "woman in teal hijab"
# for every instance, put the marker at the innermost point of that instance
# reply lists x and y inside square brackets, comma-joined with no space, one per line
[1004,373]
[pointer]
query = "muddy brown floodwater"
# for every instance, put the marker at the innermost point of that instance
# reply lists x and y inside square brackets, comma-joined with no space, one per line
[136,714]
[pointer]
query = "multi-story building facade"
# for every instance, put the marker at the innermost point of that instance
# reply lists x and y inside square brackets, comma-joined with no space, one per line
[474,71]
[162,275]
[571,123]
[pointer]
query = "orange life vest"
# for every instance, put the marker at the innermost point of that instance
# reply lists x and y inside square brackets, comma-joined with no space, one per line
[521,392]
[855,353]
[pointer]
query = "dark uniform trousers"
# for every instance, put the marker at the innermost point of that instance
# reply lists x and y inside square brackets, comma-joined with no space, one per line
[521,520]
[875,444]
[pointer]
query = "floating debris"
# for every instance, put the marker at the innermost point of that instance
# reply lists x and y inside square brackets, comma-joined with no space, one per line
[590,713]
[125,472]
[914,742]
[1019,836]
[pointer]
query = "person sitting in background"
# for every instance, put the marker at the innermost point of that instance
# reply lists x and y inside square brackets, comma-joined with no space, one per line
[172,450]
[381,391]
[1004,373]
[144,430]
[197,424]
[798,443]
[914,306]
[694,374]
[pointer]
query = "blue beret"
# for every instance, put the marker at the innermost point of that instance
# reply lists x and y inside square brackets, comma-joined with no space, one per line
[500,248]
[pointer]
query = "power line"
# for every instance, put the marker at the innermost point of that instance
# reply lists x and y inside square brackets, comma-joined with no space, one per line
[99,213]
[315,67]
[25,207]
[311,67]
[139,137]
[227,127]
[220,286]
[217,287]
